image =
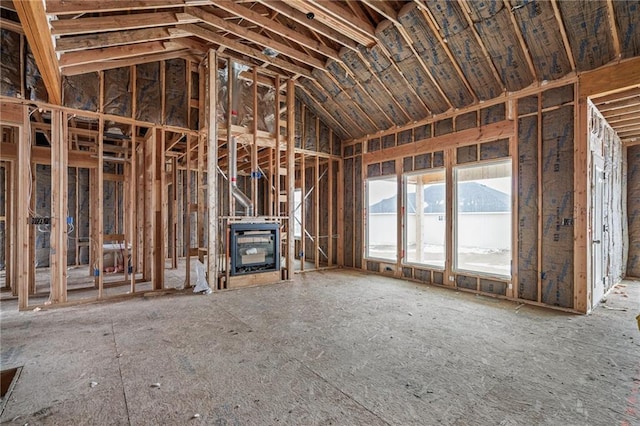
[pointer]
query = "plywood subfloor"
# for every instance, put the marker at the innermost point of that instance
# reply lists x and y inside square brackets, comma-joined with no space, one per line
[331,347]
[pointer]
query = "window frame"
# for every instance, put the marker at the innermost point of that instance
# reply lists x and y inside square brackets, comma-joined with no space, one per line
[367,219]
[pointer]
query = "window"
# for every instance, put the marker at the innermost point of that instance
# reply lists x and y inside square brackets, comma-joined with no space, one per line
[382,218]
[483,218]
[425,226]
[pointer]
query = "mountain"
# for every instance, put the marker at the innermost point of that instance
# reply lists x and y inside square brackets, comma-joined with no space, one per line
[472,197]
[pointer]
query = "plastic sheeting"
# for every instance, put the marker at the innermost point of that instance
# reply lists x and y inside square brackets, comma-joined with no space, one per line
[3,178]
[10,65]
[588,22]
[148,93]
[494,26]
[627,22]
[176,102]
[633,210]
[557,207]
[117,97]
[36,90]
[82,91]
[539,28]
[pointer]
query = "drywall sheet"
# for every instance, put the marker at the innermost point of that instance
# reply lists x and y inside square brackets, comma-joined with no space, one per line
[557,207]
[81,91]
[10,80]
[539,28]
[358,230]
[117,97]
[434,57]
[36,90]
[148,93]
[589,32]
[176,102]
[349,201]
[628,29]
[633,210]
[505,51]
[528,208]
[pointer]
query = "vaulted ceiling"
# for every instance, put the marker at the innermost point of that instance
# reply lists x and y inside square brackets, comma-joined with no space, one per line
[362,66]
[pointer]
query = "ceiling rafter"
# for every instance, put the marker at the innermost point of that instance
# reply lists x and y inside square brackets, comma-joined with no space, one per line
[385,88]
[320,106]
[76,7]
[316,26]
[117,52]
[322,90]
[118,63]
[216,21]
[116,38]
[467,16]
[611,15]
[278,28]
[234,45]
[134,21]
[563,33]
[523,44]
[34,20]
[435,28]
[333,15]
[332,78]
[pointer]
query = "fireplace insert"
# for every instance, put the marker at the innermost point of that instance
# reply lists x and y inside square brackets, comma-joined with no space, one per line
[254,248]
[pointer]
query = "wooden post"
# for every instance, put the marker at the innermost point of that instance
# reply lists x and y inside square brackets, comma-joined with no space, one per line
[149,193]
[419,217]
[582,277]
[187,215]
[212,172]
[291,181]
[340,230]
[59,204]
[450,161]
[232,202]
[133,212]
[330,193]
[400,220]
[303,210]
[316,209]
[99,220]
[174,215]
[22,212]
[158,197]
[254,146]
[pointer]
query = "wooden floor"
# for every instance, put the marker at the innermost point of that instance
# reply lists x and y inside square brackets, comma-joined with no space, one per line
[332,347]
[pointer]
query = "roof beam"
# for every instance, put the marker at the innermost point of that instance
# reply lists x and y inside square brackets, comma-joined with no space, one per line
[117,52]
[115,38]
[247,34]
[118,63]
[563,33]
[318,27]
[611,15]
[75,7]
[213,37]
[523,45]
[35,25]
[278,28]
[343,20]
[119,22]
